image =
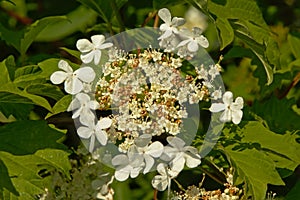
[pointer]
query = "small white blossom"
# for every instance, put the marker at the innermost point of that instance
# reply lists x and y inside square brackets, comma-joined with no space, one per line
[232,110]
[170,25]
[179,154]
[95,131]
[74,81]
[193,39]
[82,107]
[163,180]
[92,50]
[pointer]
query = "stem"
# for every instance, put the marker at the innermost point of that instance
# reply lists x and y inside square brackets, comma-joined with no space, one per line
[293,83]
[179,185]
[211,176]
[155,194]
[156,20]
[22,19]
[150,16]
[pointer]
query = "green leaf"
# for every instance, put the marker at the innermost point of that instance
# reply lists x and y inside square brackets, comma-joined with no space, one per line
[74,53]
[294,43]
[157,4]
[4,78]
[24,171]
[61,106]
[294,192]
[16,137]
[283,149]
[35,29]
[104,8]
[77,20]
[46,90]
[19,111]
[5,181]
[11,37]
[225,31]
[256,169]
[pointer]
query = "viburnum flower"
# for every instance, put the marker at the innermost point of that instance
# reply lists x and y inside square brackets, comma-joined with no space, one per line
[193,39]
[92,50]
[95,131]
[74,81]
[82,107]
[149,152]
[178,154]
[170,25]
[163,180]
[128,165]
[232,110]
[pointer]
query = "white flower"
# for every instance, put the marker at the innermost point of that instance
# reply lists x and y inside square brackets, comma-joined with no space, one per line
[162,181]
[194,39]
[95,131]
[178,154]
[170,25]
[128,165]
[149,152]
[82,107]
[92,50]
[74,81]
[232,110]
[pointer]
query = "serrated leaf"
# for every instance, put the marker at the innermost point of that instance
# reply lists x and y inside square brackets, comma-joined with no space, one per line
[4,78]
[15,137]
[283,148]
[19,111]
[226,32]
[35,29]
[60,106]
[5,181]
[24,170]
[294,192]
[294,43]
[74,53]
[157,4]
[11,37]
[256,169]
[77,20]
[46,90]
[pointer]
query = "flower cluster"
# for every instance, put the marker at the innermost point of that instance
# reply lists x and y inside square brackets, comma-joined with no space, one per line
[146,95]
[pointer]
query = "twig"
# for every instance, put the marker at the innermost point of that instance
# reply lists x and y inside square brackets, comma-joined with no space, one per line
[155,25]
[293,83]
[22,19]
[155,195]
[150,16]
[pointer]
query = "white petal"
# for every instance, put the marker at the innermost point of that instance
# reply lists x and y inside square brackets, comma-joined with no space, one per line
[135,172]
[97,56]
[86,74]
[228,98]
[120,160]
[84,132]
[87,57]
[106,45]
[160,182]
[164,27]
[58,77]
[202,41]
[83,98]
[75,104]
[149,163]
[184,42]
[143,140]
[84,45]
[73,85]
[65,66]
[193,46]
[161,169]
[101,137]
[94,105]
[178,21]
[176,142]
[238,104]
[123,173]
[217,107]
[226,116]
[165,15]
[177,164]
[92,143]
[104,123]
[192,160]
[237,116]
[97,40]
[155,149]
[166,34]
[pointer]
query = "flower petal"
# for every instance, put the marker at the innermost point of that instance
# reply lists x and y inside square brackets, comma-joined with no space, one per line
[84,45]
[184,42]
[160,182]
[238,104]
[217,107]
[120,160]
[155,149]
[65,66]
[237,116]
[143,140]
[149,163]
[192,46]
[226,116]
[86,117]
[165,15]
[104,123]
[227,98]
[201,40]
[75,104]
[166,34]
[58,77]
[97,40]
[177,21]
[123,173]
[73,85]
[101,137]
[86,74]
[87,57]
[84,132]
[192,160]
[177,164]
[106,45]
[94,105]
[97,56]
[176,142]
[83,98]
